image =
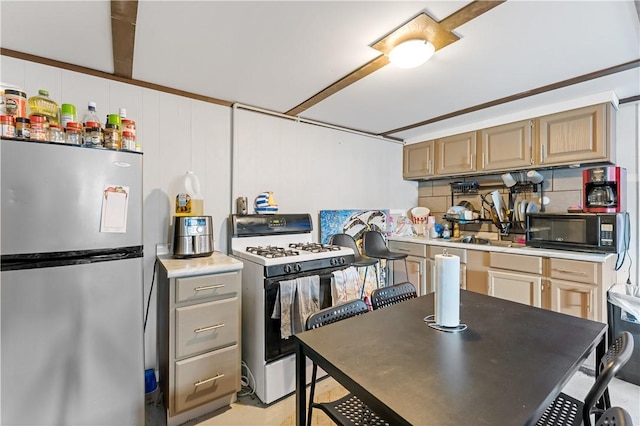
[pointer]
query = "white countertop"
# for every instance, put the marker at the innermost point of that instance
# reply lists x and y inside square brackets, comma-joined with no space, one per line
[216,263]
[528,251]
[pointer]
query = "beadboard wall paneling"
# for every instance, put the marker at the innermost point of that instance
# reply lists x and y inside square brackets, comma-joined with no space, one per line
[311,168]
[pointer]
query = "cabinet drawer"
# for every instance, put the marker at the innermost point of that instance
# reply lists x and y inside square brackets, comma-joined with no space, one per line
[207,286]
[206,326]
[461,253]
[412,249]
[574,270]
[516,262]
[206,377]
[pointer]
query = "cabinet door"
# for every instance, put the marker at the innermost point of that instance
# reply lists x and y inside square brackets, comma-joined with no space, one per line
[575,136]
[522,288]
[417,273]
[506,147]
[418,160]
[477,265]
[572,298]
[456,154]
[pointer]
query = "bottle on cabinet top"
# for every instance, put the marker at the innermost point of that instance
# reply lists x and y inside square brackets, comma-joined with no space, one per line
[90,115]
[45,106]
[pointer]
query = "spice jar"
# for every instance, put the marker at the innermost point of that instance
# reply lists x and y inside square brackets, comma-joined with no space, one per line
[128,141]
[15,102]
[7,126]
[129,126]
[38,127]
[56,134]
[112,136]
[23,128]
[93,136]
[73,133]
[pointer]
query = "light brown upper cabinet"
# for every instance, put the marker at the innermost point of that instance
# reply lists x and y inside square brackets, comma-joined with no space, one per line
[506,147]
[576,136]
[418,160]
[456,154]
[580,136]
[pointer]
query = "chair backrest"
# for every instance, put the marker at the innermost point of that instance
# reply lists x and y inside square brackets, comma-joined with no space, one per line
[616,357]
[345,240]
[386,296]
[615,416]
[373,244]
[336,313]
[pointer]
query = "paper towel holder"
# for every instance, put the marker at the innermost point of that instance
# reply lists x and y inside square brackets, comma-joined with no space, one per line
[431,322]
[431,319]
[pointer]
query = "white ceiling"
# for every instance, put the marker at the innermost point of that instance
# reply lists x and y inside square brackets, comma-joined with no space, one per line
[276,55]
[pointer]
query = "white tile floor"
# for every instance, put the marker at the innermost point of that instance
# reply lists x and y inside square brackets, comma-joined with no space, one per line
[250,411]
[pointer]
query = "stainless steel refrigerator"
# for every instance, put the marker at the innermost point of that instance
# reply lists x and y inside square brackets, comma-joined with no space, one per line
[71,288]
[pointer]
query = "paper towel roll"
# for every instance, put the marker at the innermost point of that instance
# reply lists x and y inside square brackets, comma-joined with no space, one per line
[447,290]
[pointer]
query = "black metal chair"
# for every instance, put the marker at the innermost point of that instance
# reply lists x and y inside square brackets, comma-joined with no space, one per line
[387,296]
[566,410]
[348,410]
[615,416]
[360,261]
[375,246]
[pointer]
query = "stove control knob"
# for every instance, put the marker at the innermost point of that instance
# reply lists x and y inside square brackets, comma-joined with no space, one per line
[333,261]
[343,261]
[287,269]
[298,267]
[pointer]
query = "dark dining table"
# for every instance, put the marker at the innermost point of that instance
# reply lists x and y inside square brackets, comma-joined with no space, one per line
[504,369]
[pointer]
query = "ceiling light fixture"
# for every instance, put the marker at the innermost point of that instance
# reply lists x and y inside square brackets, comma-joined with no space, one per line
[411,53]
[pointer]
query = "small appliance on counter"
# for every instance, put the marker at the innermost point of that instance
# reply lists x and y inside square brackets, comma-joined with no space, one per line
[604,189]
[192,236]
[588,232]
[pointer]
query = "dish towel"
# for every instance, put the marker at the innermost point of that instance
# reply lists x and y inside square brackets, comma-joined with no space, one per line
[307,301]
[345,285]
[284,307]
[296,300]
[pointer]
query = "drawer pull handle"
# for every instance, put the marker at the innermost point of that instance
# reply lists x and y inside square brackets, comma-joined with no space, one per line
[403,249]
[569,271]
[210,379]
[209,287]
[211,327]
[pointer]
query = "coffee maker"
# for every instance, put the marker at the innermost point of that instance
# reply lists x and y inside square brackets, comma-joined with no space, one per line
[604,189]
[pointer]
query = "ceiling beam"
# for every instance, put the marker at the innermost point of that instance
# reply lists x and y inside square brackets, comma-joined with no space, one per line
[467,13]
[369,68]
[575,80]
[124,14]
[440,32]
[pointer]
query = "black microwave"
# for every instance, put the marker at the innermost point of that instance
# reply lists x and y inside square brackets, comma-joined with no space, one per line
[592,232]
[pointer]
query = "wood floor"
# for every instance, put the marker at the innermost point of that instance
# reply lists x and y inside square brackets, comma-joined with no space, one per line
[248,410]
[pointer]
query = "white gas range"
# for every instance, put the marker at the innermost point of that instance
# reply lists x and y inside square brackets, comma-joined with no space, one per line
[275,248]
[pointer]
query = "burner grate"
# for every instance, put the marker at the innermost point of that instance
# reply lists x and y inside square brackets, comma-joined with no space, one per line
[272,251]
[314,247]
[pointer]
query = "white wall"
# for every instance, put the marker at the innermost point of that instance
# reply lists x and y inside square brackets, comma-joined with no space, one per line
[309,168]
[628,156]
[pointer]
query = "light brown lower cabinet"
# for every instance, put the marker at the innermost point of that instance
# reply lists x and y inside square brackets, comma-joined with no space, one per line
[579,288]
[477,266]
[572,287]
[572,298]
[198,342]
[517,287]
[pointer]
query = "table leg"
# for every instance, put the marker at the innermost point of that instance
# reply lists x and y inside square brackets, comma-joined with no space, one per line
[301,384]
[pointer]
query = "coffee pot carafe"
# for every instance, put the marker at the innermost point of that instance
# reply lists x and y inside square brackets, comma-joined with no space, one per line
[601,196]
